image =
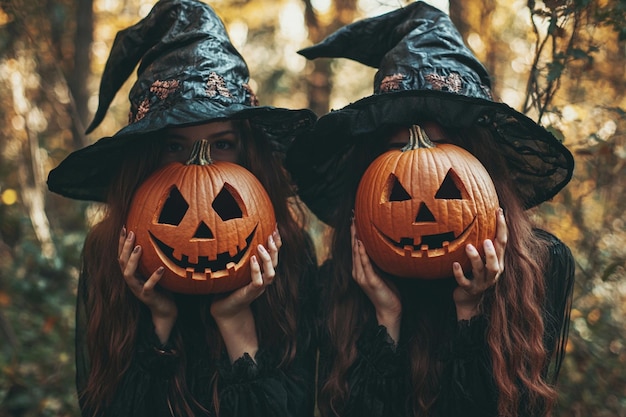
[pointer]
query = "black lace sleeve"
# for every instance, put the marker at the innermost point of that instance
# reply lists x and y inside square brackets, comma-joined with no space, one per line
[245,388]
[377,379]
[265,389]
[143,390]
[467,386]
[249,388]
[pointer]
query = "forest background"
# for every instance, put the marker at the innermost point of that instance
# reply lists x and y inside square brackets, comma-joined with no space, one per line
[561,62]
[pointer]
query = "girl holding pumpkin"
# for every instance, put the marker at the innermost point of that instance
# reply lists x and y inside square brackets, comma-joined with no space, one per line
[485,339]
[143,351]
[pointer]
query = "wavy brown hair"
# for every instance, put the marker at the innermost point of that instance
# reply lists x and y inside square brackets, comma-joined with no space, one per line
[113,312]
[513,307]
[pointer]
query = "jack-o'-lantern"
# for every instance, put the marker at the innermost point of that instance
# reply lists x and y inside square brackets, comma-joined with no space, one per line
[202,221]
[417,208]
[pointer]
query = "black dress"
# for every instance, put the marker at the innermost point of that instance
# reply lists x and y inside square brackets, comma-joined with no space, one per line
[245,388]
[378,380]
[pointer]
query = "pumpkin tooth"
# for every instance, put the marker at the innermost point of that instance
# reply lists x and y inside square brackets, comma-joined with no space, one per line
[208,274]
[408,250]
[189,273]
[424,249]
[231,269]
[446,246]
[177,254]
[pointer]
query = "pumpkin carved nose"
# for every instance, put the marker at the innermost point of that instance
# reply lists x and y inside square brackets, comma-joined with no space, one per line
[424,214]
[203,232]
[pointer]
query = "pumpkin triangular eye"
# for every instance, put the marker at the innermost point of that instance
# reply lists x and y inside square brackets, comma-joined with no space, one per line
[226,205]
[451,188]
[397,191]
[174,208]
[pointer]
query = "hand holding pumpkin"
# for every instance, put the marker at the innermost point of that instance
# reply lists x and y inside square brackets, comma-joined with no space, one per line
[382,293]
[162,306]
[201,220]
[232,312]
[262,273]
[468,295]
[417,208]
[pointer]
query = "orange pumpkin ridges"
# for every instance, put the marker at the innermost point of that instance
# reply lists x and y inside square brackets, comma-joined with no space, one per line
[202,221]
[417,208]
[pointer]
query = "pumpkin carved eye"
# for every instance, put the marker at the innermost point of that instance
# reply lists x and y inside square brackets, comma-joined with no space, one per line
[394,191]
[174,208]
[228,204]
[451,188]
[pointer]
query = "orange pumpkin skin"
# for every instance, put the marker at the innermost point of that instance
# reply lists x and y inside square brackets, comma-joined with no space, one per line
[417,209]
[202,222]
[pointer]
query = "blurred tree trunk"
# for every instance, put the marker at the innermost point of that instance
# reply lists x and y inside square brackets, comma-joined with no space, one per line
[319,87]
[475,17]
[30,164]
[319,83]
[83,38]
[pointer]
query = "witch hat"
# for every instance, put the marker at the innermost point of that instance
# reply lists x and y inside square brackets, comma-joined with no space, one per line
[425,72]
[189,73]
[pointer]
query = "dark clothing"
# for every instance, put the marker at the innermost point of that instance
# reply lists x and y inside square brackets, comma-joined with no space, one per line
[378,380]
[245,388]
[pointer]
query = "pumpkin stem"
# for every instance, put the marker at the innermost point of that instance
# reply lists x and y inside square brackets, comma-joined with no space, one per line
[200,153]
[418,139]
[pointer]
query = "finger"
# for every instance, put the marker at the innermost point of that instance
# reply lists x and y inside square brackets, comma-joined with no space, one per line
[357,270]
[492,263]
[127,249]
[459,276]
[475,259]
[277,239]
[502,234]
[357,264]
[256,278]
[364,262]
[273,250]
[352,232]
[131,264]
[254,289]
[121,240]
[266,263]
[154,279]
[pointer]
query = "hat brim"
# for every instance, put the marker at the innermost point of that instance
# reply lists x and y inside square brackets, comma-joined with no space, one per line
[319,160]
[85,174]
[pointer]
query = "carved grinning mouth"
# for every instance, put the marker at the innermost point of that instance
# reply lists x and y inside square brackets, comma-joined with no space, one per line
[427,242]
[204,263]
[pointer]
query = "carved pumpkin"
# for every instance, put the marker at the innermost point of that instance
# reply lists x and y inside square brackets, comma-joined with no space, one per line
[417,208]
[202,221]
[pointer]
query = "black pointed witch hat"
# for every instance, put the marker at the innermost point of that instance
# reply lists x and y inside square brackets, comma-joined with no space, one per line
[425,72]
[189,73]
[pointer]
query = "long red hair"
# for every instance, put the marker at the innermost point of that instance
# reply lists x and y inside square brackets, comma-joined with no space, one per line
[113,311]
[513,307]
